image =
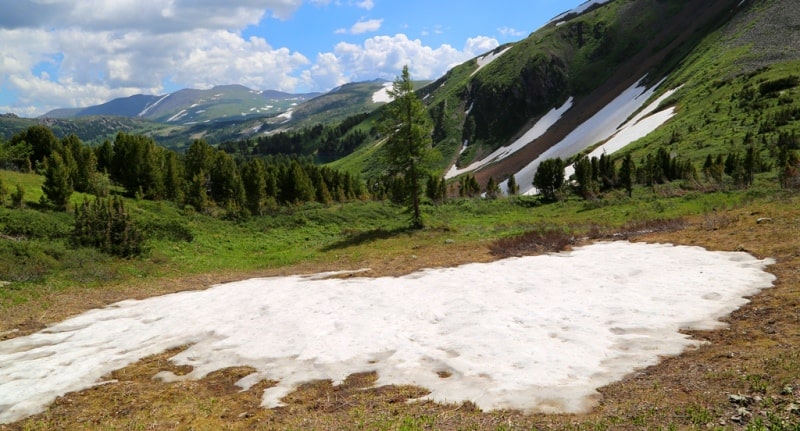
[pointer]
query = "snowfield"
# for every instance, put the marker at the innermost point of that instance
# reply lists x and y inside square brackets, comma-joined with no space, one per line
[535,333]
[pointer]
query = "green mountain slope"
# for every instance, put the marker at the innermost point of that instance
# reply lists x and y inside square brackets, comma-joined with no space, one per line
[712,50]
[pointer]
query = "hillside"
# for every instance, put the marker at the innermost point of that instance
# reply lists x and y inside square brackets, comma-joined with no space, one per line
[572,84]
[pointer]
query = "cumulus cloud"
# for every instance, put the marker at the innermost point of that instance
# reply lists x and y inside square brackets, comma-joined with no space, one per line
[155,15]
[384,57]
[80,53]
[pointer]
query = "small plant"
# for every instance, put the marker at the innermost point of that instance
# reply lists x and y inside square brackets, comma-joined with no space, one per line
[18,197]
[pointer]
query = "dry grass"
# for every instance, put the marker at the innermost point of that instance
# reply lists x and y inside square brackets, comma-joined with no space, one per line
[757,357]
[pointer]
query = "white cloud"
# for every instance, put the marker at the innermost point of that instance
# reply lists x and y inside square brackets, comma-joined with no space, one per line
[368,26]
[366,4]
[155,15]
[510,32]
[83,53]
[385,56]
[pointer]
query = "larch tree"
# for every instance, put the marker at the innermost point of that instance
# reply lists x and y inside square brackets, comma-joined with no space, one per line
[408,131]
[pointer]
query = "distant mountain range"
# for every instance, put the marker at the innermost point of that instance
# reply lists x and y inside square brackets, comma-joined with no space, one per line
[189,106]
[219,114]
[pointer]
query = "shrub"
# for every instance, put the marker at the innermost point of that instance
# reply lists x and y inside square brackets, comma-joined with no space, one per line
[532,242]
[104,224]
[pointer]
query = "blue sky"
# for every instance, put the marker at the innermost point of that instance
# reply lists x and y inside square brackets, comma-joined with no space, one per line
[69,53]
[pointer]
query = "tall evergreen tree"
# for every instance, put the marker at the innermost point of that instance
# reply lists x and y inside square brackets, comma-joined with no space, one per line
[254,179]
[626,173]
[408,141]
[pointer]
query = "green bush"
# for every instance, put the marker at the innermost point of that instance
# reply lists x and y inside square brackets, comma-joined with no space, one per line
[104,224]
[32,224]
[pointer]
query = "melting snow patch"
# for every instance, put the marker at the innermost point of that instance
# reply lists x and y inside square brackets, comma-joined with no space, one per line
[177,116]
[599,128]
[534,333]
[382,95]
[489,58]
[538,129]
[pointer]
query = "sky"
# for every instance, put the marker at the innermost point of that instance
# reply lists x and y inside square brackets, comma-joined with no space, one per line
[537,333]
[76,53]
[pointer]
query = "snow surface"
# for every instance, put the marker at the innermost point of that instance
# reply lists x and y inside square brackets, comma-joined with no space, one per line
[287,116]
[602,126]
[382,95]
[638,127]
[538,129]
[488,59]
[149,107]
[535,333]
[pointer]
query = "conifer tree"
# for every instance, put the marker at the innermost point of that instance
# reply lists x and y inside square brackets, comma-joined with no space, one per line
[512,187]
[549,178]
[254,179]
[626,173]
[18,197]
[408,131]
[492,189]
[57,186]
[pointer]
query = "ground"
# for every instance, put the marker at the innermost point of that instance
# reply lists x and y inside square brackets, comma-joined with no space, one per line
[745,376]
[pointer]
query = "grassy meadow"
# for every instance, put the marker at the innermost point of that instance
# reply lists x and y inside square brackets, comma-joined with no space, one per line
[46,280]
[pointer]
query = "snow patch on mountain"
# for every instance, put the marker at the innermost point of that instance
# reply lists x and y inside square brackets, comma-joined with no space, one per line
[538,129]
[148,108]
[489,58]
[382,95]
[599,128]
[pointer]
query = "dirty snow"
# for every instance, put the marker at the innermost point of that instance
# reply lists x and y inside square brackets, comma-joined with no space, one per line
[382,95]
[538,129]
[534,333]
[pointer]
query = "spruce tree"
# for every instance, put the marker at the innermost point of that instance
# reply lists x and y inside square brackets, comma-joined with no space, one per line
[492,189]
[626,173]
[512,187]
[549,178]
[57,186]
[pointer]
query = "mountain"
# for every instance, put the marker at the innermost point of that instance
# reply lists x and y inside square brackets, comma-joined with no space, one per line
[618,76]
[189,106]
[221,114]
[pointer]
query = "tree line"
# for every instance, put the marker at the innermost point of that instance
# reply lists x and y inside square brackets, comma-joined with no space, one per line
[204,178]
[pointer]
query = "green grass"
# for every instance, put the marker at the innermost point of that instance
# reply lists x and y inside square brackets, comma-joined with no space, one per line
[183,243]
